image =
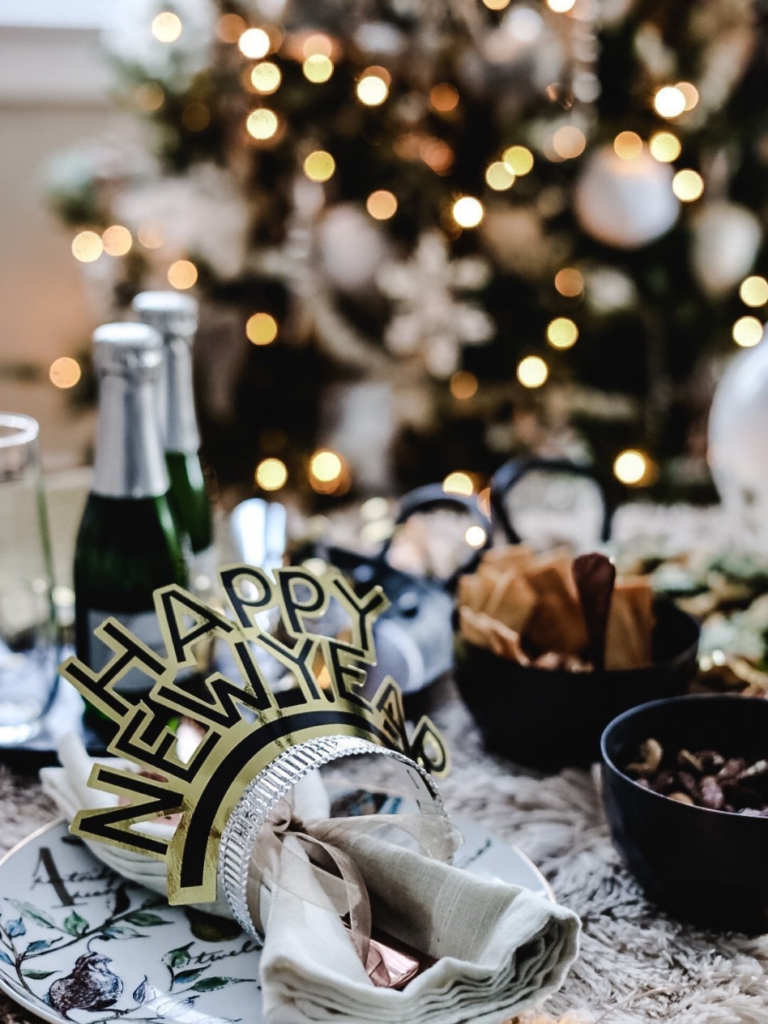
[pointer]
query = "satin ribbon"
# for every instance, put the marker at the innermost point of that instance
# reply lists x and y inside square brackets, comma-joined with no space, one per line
[302,858]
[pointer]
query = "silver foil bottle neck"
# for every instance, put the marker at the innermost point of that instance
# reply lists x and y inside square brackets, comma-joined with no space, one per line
[175,316]
[130,462]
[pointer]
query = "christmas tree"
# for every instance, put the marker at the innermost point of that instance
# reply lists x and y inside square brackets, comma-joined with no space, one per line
[432,234]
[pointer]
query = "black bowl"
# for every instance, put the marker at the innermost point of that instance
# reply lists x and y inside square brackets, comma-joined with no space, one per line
[704,866]
[552,719]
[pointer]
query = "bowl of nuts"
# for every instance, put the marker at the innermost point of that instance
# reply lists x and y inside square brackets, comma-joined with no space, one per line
[685,788]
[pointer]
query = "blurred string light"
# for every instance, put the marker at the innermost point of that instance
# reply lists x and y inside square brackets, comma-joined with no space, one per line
[562,332]
[261,329]
[149,97]
[87,246]
[458,482]
[467,211]
[688,185]
[747,331]
[319,166]
[518,159]
[266,77]
[499,177]
[436,154]
[317,44]
[254,43]
[463,385]
[182,274]
[569,282]
[496,5]
[628,145]
[64,372]
[328,472]
[117,240]
[381,204]
[373,87]
[532,372]
[230,27]
[271,474]
[669,101]
[561,6]
[444,97]
[151,235]
[569,142]
[631,467]
[317,68]
[690,94]
[665,147]
[754,291]
[262,123]
[475,536]
[167,27]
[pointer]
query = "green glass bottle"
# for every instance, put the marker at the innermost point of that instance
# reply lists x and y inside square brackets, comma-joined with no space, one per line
[128,543]
[175,315]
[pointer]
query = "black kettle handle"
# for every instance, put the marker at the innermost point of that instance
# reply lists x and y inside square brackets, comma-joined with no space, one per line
[511,473]
[430,497]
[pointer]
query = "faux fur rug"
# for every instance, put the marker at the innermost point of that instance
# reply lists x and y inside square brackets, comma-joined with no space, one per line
[636,966]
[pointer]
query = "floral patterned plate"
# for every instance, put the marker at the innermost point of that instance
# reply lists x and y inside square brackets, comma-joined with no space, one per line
[78,943]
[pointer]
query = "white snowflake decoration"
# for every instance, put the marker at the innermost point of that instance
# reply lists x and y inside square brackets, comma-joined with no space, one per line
[429,319]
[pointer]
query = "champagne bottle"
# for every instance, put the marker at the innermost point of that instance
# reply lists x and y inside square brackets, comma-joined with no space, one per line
[128,543]
[175,316]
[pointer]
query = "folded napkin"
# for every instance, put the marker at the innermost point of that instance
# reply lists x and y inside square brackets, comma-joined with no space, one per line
[499,948]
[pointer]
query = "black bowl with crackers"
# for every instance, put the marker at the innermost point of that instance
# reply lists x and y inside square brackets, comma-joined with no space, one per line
[549,650]
[685,787]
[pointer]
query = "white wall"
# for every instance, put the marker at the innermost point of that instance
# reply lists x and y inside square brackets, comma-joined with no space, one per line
[54,92]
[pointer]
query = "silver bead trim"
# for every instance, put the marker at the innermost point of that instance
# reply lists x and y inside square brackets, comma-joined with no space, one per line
[266,789]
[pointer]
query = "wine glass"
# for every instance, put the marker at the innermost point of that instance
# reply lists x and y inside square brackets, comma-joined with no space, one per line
[29,643]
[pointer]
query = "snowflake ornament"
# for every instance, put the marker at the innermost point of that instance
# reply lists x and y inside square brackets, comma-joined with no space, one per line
[429,319]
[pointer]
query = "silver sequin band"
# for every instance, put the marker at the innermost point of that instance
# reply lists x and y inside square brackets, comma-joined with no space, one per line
[274,782]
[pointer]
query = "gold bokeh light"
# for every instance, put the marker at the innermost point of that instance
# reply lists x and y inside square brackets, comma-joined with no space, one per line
[261,329]
[569,282]
[669,101]
[747,331]
[569,142]
[381,204]
[182,274]
[754,291]
[64,372]
[254,43]
[519,159]
[266,77]
[499,177]
[317,68]
[463,385]
[467,211]
[117,240]
[319,166]
[459,482]
[262,123]
[532,372]
[271,474]
[167,27]
[562,332]
[665,147]
[628,145]
[631,467]
[688,185]
[87,246]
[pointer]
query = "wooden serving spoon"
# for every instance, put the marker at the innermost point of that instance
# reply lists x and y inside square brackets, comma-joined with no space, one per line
[595,576]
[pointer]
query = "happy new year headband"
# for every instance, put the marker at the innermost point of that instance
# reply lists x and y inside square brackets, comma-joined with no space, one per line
[245,727]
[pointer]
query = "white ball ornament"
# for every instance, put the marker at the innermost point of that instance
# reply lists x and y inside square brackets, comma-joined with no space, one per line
[625,204]
[726,238]
[738,452]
